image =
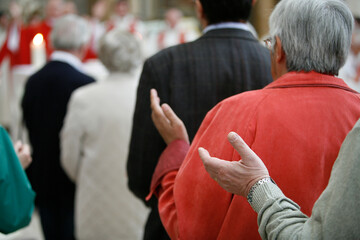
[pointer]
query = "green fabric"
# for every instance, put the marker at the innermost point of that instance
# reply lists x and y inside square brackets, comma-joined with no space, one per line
[16,194]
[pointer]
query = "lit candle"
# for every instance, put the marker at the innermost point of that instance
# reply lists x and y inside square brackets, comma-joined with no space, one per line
[38,54]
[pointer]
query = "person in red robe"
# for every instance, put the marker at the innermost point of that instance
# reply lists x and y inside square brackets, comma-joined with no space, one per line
[21,35]
[296,124]
[15,33]
[97,27]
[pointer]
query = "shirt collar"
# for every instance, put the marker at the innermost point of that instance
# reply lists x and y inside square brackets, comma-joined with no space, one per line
[308,79]
[236,25]
[68,58]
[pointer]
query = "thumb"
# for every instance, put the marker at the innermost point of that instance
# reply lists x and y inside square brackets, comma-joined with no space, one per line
[204,155]
[248,157]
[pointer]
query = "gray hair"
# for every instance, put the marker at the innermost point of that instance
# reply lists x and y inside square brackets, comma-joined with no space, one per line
[119,51]
[315,34]
[70,32]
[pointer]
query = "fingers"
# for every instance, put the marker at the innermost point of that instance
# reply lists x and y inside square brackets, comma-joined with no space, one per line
[157,114]
[163,110]
[170,114]
[169,126]
[154,99]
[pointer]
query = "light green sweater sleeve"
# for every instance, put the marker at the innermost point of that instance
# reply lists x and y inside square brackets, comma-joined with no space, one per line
[335,215]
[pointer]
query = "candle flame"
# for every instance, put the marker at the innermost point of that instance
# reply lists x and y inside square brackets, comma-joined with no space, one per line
[38,39]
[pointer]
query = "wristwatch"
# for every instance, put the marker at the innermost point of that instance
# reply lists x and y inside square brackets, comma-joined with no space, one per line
[258,183]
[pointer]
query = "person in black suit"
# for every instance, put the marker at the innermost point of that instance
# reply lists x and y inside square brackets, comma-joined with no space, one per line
[44,104]
[192,78]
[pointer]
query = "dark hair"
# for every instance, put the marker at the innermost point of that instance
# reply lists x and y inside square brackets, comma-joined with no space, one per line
[217,11]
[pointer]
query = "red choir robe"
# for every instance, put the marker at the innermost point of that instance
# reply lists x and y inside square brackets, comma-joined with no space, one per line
[296,126]
[26,35]
[22,54]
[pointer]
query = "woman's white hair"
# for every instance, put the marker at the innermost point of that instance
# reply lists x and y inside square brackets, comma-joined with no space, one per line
[119,51]
[315,34]
[70,32]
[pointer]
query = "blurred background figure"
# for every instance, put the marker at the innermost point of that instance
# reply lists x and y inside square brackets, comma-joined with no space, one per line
[34,17]
[350,72]
[14,34]
[97,27]
[4,21]
[4,116]
[124,20]
[70,8]
[44,105]
[20,35]
[53,10]
[94,145]
[10,56]
[174,33]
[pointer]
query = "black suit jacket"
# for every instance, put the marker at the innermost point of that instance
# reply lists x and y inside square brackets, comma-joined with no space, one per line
[44,104]
[192,78]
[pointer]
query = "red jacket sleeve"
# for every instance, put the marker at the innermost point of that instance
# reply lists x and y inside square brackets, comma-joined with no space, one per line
[162,184]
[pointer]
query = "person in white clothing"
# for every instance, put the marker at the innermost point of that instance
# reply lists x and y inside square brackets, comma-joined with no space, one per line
[98,28]
[124,20]
[173,33]
[94,145]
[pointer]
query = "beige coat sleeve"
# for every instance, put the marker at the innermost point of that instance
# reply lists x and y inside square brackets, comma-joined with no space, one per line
[71,137]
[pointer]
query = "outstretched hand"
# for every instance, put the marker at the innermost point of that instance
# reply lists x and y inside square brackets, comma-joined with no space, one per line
[165,120]
[236,177]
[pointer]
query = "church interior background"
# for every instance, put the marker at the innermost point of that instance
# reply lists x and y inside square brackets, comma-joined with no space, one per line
[148,10]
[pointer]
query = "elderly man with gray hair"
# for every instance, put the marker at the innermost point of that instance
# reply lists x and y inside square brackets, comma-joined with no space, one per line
[95,141]
[44,104]
[295,124]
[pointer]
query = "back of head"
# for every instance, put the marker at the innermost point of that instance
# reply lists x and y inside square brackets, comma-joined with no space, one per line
[70,32]
[217,11]
[315,34]
[119,51]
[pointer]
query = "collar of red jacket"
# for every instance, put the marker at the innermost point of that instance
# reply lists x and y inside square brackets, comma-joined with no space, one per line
[308,79]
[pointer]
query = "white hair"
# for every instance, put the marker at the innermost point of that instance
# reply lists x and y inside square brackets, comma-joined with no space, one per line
[119,51]
[315,34]
[70,32]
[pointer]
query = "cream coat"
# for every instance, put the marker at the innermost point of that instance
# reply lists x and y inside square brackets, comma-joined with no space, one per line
[94,148]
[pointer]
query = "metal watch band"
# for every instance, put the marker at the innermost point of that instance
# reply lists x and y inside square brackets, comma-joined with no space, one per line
[258,183]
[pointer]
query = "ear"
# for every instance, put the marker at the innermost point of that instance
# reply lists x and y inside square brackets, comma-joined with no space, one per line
[199,10]
[280,54]
[253,2]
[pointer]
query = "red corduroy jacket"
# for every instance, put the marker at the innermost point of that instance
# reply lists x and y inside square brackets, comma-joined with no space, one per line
[296,126]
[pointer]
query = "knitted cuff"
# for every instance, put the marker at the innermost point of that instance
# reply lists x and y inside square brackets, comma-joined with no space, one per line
[264,192]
